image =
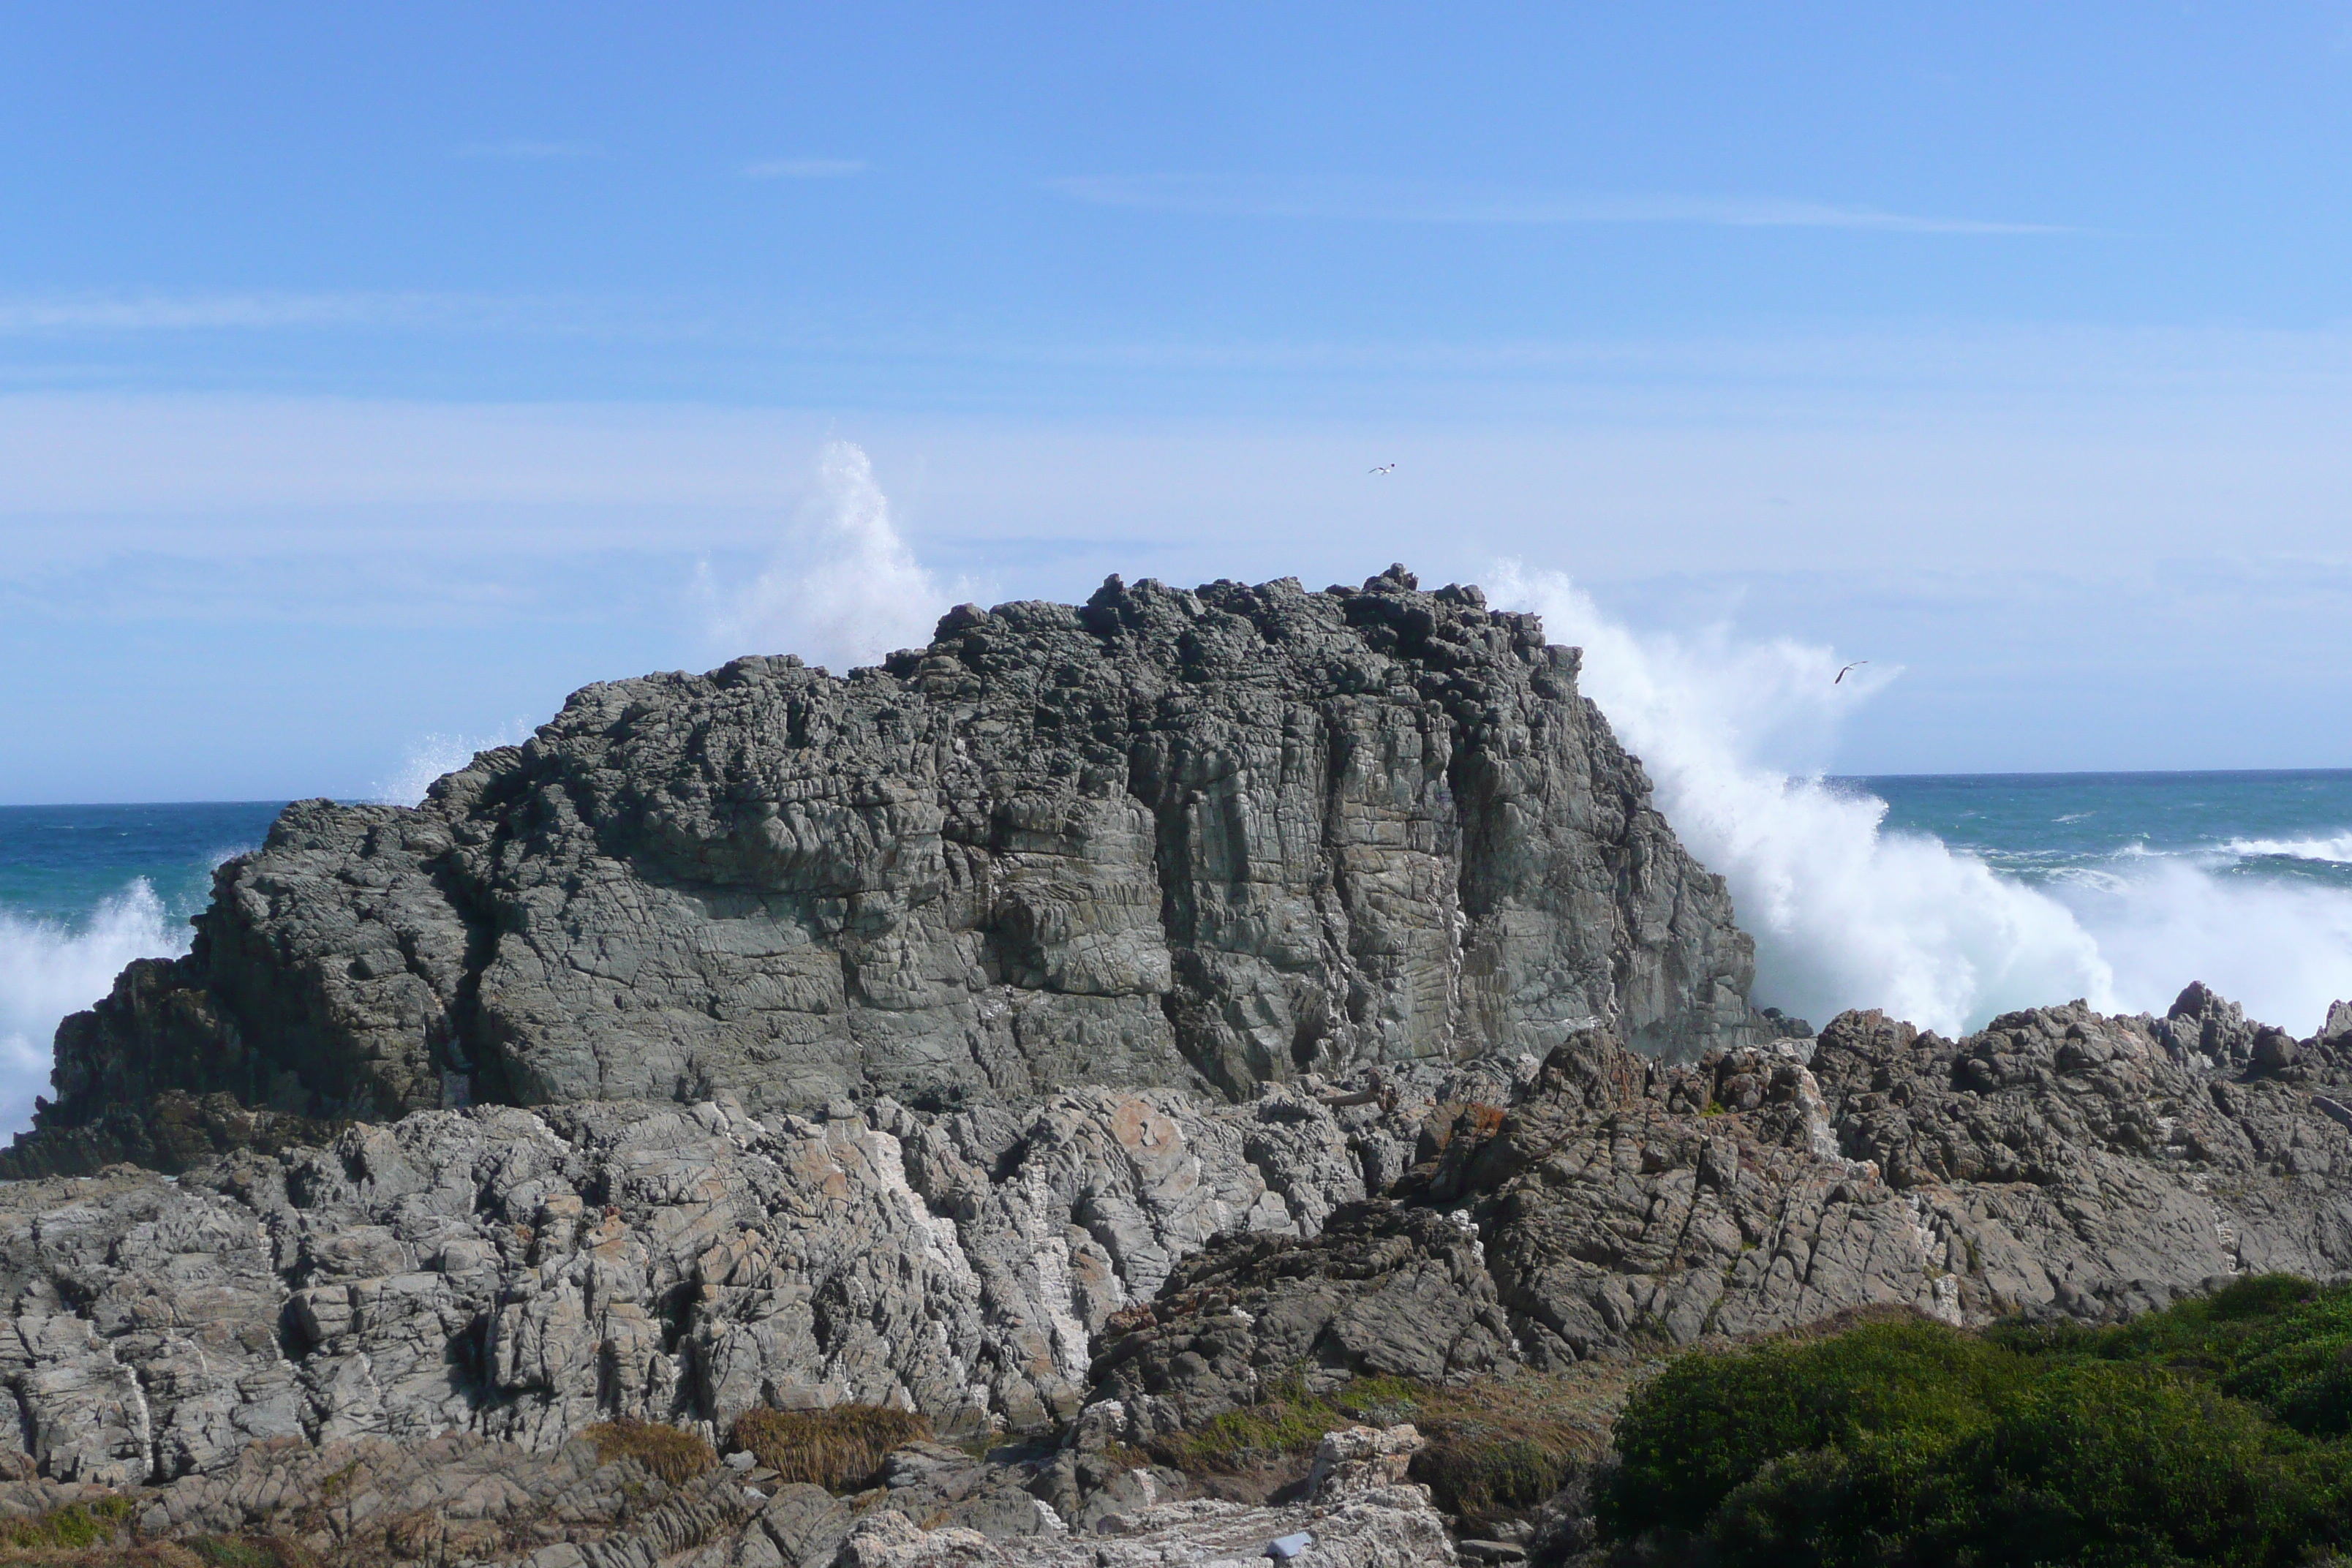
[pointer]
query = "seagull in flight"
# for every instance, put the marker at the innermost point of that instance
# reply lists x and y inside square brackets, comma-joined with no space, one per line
[1841,674]
[1385,468]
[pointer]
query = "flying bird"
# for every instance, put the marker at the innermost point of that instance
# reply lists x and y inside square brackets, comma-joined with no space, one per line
[1841,674]
[1385,468]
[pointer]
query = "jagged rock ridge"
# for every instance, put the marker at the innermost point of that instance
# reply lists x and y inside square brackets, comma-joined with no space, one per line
[1203,840]
[411,1303]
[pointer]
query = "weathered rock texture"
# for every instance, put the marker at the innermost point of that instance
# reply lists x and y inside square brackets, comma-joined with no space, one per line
[2056,1162]
[1208,838]
[507,1276]
[457,1501]
[524,1273]
[521,1274]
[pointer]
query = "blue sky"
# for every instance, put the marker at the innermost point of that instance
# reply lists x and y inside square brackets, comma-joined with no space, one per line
[371,375]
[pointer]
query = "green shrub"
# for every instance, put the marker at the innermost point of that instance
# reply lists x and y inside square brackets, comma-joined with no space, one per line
[2209,1433]
[840,1448]
[1710,1422]
[78,1524]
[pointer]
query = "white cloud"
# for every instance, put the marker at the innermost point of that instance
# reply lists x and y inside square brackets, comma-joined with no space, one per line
[1367,201]
[27,315]
[804,168]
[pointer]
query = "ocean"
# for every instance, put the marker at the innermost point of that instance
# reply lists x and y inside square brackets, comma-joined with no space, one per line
[1944,899]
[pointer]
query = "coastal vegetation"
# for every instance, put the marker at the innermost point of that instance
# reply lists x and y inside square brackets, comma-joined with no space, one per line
[1496,1447]
[839,1449]
[2212,1432]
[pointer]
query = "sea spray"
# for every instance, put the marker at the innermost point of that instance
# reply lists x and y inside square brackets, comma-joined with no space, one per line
[48,969]
[1843,913]
[1848,913]
[2281,949]
[431,756]
[844,590]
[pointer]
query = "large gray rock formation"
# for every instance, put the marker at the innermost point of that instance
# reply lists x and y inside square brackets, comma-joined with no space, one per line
[1211,839]
[420,1299]
[2057,1161]
[524,1273]
[521,1274]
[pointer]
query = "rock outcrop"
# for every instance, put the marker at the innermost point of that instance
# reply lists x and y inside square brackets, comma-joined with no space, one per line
[1104,1018]
[421,1298]
[1204,839]
[460,1500]
[2057,1161]
[524,1273]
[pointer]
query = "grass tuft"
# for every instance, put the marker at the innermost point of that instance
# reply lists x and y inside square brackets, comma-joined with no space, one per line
[76,1525]
[1496,1447]
[840,1448]
[672,1454]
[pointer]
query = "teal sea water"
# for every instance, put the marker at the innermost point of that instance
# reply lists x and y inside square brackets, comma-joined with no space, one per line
[84,890]
[2123,887]
[2098,829]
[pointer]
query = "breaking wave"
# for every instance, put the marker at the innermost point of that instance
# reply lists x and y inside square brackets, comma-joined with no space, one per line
[2335,849]
[1847,913]
[48,969]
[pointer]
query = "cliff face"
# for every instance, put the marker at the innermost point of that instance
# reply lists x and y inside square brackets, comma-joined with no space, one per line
[1212,838]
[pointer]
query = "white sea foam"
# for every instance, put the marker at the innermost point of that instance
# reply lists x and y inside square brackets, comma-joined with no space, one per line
[2284,949]
[430,756]
[844,590]
[2336,848]
[48,969]
[1848,914]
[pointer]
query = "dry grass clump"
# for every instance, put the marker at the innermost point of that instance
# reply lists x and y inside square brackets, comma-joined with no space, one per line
[839,1449]
[673,1455]
[1496,1446]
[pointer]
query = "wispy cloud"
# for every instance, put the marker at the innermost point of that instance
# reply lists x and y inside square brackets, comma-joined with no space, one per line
[526,150]
[804,168]
[30,315]
[1365,201]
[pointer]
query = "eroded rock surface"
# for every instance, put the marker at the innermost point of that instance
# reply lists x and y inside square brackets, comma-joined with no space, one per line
[1206,839]
[521,1274]
[426,1297]
[2058,1160]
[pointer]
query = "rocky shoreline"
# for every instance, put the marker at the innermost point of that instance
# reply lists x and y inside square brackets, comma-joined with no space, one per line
[1077,1032]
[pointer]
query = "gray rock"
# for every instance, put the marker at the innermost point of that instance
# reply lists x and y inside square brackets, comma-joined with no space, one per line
[522,1274]
[2057,1161]
[1387,1527]
[1220,838]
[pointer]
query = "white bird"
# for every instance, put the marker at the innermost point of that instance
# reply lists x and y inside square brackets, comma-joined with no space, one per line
[1841,674]
[1385,468]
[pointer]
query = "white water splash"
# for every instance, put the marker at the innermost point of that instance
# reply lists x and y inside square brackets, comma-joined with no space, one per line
[844,589]
[1848,914]
[48,969]
[1845,915]
[430,756]
[2336,848]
